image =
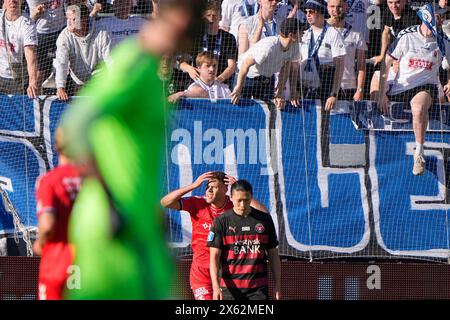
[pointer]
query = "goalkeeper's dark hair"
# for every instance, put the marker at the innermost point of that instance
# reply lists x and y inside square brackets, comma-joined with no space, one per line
[242,185]
[196,9]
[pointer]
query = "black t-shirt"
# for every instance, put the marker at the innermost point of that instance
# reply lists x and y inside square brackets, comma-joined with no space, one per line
[409,18]
[244,242]
[223,45]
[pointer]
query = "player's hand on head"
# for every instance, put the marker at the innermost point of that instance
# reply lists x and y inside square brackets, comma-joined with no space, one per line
[229,180]
[202,178]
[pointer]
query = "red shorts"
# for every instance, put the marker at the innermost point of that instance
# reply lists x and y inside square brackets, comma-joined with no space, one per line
[201,284]
[51,290]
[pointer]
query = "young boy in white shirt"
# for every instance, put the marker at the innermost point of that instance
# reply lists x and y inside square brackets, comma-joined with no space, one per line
[206,85]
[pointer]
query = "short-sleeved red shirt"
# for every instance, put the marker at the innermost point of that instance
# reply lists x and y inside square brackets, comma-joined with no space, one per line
[202,215]
[56,192]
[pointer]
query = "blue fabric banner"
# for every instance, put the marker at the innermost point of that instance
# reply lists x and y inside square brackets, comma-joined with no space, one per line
[336,184]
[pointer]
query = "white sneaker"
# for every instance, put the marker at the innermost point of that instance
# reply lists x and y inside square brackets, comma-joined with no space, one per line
[419,164]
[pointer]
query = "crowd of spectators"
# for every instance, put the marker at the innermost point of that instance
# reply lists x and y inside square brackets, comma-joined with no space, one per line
[55,46]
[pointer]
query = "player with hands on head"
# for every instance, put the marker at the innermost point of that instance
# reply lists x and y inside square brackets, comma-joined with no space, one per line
[203,210]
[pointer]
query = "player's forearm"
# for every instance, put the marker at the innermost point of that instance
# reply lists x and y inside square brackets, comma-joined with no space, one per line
[214,267]
[172,198]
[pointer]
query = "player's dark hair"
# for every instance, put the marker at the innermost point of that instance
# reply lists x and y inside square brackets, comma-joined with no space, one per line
[218,175]
[242,185]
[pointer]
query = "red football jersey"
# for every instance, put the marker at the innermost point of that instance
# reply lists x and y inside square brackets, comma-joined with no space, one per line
[202,216]
[56,192]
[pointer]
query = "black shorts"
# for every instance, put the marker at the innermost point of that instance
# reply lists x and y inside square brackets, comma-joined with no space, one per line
[261,293]
[46,50]
[406,96]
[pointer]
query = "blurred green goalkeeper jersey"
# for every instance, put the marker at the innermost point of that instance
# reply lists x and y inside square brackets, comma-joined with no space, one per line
[118,230]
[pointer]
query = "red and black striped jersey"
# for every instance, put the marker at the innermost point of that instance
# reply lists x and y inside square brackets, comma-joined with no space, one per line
[244,242]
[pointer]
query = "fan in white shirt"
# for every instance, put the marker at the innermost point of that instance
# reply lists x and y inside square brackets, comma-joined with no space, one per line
[235,12]
[352,86]
[18,39]
[357,16]
[417,79]
[267,57]
[261,25]
[323,53]
[81,47]
[206,85]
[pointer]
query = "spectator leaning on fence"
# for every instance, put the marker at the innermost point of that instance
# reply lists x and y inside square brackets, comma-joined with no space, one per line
[420,50]
[352,85]
[270,55]
[50,20]
[323,52]
[18,40]
[206,85]
[121,25]
[81,47]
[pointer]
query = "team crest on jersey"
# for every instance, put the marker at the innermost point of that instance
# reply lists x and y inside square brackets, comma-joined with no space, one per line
[407,30]
[259,228]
